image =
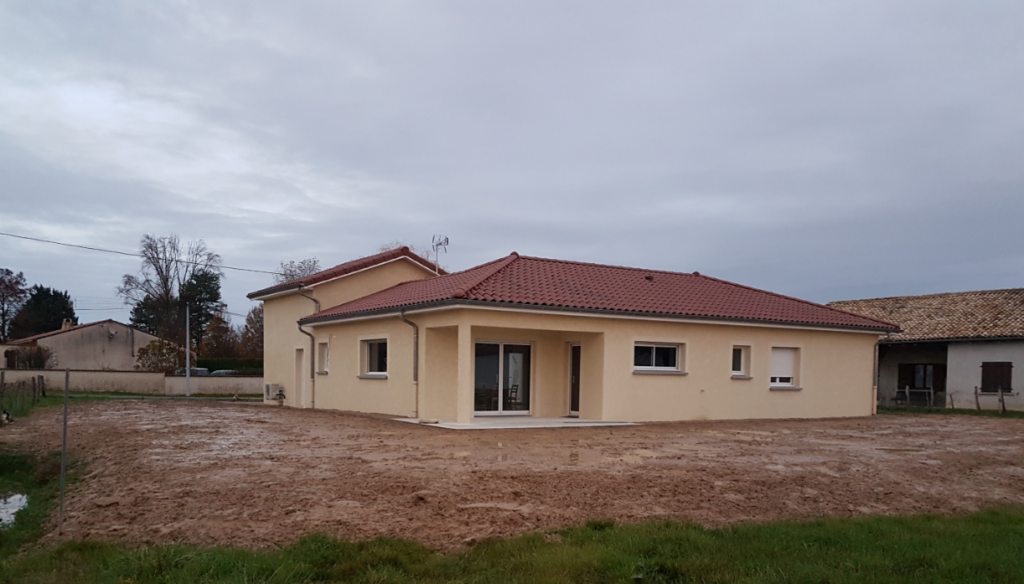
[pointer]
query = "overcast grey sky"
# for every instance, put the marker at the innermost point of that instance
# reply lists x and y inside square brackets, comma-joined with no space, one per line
[827,150]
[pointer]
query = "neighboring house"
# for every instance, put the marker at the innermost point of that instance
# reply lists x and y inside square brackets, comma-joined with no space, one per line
[549,338]
[951,343]
[104,345]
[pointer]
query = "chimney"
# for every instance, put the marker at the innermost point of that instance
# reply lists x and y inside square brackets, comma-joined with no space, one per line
[66,325]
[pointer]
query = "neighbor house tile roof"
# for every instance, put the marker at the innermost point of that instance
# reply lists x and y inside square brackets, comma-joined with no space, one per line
[32,340]
[345,269]
[529,282]
[986,314]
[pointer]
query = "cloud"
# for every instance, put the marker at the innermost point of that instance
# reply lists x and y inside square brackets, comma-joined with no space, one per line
[820,150]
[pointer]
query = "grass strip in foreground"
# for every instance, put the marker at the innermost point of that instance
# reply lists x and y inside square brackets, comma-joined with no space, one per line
[983,547]
[39,478]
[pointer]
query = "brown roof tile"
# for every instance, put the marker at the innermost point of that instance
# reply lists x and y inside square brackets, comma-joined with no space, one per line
[986,314]
[545,283]
[344,269]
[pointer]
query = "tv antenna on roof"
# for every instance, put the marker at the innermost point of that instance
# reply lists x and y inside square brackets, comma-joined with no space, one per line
[438,243]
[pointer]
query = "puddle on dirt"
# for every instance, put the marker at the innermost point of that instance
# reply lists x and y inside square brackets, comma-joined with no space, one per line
[11,505]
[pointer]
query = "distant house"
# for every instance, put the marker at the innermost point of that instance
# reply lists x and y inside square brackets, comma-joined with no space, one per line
[951,343]
[527,336]
[104,345]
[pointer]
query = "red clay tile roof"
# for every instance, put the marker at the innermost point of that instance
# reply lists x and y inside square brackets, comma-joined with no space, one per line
[986,314]
[345,268]
[555,284]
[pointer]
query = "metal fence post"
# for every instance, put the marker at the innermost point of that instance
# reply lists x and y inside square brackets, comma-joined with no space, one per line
[64,454]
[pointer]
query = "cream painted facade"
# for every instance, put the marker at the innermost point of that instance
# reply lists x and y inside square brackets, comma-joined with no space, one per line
[834,367]
[286,350]
[106,345]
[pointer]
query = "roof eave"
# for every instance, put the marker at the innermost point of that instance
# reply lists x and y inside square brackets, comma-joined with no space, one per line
[952,340]
[264,295]
[313,320]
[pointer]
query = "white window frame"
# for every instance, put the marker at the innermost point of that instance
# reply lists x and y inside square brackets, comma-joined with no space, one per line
[776,382]
[323,355]
[744,371]
[680,349]
[364,358]
[501,377]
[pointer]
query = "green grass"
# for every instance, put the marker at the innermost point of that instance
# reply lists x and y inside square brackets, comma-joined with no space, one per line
[897,410]
[37,477]
[984,547]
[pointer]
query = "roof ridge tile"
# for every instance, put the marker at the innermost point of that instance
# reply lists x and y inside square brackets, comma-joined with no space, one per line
[463,291]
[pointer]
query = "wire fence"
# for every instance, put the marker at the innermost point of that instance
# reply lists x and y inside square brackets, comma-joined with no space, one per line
[17,399]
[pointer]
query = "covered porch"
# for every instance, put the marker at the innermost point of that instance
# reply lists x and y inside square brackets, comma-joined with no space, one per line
[506,376]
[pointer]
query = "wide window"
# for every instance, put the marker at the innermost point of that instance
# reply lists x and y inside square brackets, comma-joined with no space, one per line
[921,376]
[996,375]
[656,357]
[375,355]
[785,362]
[502,372]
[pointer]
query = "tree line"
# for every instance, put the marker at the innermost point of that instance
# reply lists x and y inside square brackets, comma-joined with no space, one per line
[177,283]
[175,279]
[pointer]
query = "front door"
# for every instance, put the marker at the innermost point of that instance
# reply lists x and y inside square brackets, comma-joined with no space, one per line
[574,382]
[502,383]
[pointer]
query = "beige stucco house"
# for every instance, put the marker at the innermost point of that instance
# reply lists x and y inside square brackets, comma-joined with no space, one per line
[104,345]
[525,336]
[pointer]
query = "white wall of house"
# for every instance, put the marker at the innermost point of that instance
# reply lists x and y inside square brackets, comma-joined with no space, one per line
[963,372]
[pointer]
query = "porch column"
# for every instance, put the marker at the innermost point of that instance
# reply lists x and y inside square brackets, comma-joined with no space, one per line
[464,394]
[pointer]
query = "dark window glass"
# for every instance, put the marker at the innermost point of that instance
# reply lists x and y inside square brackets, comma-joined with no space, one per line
[737,359]
[377,357]
[486,390]
[665,357]
[643,356]
[517,378]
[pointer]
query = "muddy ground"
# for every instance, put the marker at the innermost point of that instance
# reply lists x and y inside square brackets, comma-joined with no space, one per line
[254,475]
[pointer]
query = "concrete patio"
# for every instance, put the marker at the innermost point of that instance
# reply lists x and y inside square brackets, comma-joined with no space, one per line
[513,422]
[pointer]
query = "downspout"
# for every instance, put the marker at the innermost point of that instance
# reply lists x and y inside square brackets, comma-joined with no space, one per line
[874,380]
[312,354]
[415,359]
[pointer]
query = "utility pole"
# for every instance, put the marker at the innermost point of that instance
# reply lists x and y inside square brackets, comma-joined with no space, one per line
[188,354]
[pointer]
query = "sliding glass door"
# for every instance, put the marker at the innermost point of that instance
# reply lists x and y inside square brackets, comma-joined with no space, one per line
[502,378]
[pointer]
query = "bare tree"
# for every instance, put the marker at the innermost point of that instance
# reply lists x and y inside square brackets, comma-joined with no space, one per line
[13,293]
[398,243]
[165,268]
[172,276]
[294,270]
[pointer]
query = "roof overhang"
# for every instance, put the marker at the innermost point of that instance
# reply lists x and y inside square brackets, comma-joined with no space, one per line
[300,286]
[452,304]
[952,340]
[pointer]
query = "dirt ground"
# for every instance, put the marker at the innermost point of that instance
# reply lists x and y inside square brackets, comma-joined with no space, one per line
[254,475]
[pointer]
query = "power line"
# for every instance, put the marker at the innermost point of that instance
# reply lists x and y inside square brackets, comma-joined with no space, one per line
[125,253]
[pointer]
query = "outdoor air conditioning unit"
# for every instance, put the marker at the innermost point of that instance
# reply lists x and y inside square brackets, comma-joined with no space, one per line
[273,391]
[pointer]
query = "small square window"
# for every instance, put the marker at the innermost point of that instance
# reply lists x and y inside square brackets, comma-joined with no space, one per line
[376,355]
[656,357]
